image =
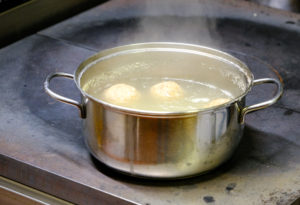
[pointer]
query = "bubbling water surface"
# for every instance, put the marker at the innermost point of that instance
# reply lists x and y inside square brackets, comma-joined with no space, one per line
[196,95]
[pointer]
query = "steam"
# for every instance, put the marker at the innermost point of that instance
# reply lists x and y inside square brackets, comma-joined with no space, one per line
[173,21]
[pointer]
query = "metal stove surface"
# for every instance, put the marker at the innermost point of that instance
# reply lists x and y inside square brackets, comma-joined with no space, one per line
[41,143]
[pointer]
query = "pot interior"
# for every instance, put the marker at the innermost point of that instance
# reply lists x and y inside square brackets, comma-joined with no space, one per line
[166,61]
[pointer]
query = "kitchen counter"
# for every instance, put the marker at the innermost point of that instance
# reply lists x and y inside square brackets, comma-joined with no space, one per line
[41,144]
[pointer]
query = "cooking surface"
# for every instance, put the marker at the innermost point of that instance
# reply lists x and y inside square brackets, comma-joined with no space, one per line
[41,144]
[290,5]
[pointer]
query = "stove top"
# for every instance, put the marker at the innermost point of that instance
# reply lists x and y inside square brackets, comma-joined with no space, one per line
[41,144]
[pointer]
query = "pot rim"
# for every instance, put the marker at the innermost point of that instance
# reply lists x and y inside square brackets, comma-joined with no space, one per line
[160,114]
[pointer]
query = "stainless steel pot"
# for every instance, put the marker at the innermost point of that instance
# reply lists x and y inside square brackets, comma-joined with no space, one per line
[164,144]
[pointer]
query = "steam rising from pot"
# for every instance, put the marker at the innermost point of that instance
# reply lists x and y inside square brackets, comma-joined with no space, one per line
[173,21]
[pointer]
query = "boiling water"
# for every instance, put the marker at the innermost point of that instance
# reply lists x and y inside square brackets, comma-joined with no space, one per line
[196,95]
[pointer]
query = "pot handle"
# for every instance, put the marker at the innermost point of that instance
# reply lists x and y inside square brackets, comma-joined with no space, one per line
[61,98]
[264,104]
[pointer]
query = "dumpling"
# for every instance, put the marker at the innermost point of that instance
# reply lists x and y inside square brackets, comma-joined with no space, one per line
[167,90]
[121,94]
[216,102]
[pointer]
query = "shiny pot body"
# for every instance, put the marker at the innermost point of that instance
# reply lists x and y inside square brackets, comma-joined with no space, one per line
[164,144]
[162,147]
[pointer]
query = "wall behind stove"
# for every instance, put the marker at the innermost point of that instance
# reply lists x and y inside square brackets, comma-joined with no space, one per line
[20,18]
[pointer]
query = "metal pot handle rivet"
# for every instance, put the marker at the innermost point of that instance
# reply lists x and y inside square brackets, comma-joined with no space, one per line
[60,97]
[266,103]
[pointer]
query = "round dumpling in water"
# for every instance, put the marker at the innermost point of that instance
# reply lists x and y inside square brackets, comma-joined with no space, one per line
[217,102]
[121,94]
[167,90]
